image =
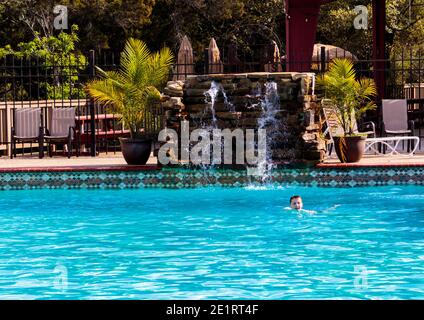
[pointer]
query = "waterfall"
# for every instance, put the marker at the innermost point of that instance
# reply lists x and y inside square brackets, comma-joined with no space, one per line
[270,105]
[211,97]
[276,130]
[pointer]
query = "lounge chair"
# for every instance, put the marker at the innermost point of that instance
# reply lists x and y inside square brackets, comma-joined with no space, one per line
[62,129]
[334,128]
[372,143]
[395,120]
[27,128]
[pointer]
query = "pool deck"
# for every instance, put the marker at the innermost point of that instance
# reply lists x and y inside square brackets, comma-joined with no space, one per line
[104,162]
[115,162]
[377,161]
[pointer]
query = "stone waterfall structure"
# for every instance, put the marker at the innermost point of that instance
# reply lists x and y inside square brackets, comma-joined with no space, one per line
[282,103]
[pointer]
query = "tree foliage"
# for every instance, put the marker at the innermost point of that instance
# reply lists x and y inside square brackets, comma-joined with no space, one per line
[108,23]
[54,56]
[405,26]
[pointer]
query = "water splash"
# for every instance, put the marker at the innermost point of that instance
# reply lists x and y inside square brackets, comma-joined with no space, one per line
[276,130]
[211,98]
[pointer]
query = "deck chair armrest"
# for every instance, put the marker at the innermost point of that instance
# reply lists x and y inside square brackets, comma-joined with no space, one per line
[326,132]
[369,126]
[72,129]
[411,126]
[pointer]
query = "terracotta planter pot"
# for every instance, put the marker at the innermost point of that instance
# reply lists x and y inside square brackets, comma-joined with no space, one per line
[350,149]
[137,151]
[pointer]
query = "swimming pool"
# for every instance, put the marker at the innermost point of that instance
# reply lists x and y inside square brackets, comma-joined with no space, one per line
[212,243]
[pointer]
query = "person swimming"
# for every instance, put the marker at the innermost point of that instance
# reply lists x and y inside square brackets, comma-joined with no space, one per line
[296,203]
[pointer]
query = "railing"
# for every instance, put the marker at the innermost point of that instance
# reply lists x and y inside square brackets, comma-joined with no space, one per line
[36,83]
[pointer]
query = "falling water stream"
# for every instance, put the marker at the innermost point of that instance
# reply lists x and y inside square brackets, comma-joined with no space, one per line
[275,130]
[268,102]
[211,98]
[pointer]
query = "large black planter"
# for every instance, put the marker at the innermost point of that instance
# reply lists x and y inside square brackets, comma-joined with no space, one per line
[136,151]
[350,149]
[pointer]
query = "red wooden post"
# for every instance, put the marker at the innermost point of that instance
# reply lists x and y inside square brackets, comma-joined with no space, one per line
[301,26]
[379,45]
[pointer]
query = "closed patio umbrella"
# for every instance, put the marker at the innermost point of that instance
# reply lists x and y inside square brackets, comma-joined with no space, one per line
[185,61]
[215,63]
[331,53]
[274,59]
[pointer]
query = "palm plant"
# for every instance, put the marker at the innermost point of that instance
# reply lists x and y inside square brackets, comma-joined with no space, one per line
[134,87]
[348,96]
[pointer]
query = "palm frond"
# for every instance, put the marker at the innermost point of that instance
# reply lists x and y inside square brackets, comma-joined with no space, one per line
[134,60]
[135,86]
[348,95]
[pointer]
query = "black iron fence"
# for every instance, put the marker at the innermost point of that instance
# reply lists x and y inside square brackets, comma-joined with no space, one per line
[38,83]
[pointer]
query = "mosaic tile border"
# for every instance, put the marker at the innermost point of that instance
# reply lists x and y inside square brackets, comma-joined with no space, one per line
[179,178]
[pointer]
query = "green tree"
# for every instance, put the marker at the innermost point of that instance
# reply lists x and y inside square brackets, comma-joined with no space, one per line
[56,57]
[240,22]
[405,26]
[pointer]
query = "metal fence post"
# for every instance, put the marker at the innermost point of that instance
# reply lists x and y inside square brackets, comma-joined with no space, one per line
[323,57]
[92,74]
[206,57]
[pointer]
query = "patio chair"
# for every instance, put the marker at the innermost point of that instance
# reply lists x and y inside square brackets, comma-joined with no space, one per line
[334,128]
[27,128]
[395,120]
[62,129]
[372,143]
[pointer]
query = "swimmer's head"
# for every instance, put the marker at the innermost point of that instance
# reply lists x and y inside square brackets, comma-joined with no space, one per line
[296,203]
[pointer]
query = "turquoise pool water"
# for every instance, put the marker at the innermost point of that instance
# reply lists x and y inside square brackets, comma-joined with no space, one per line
[364,243]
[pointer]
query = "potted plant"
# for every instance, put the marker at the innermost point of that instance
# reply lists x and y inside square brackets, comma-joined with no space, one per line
[350,98]
[131,90]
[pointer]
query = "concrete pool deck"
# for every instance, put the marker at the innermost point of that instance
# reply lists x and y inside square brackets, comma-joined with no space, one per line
[377,161]
[115,162]
[103,162]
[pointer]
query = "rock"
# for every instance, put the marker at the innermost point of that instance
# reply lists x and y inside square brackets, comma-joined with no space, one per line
[194,100]
[248,123]
[175,85]
[252,114]
[313,127]
[229,115]
[164,97]
[293,120]
[195,93]
[309,118]
[314,155]
[173,93]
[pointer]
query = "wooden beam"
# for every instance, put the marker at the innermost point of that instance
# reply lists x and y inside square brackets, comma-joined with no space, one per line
[301,26]
[379,45]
